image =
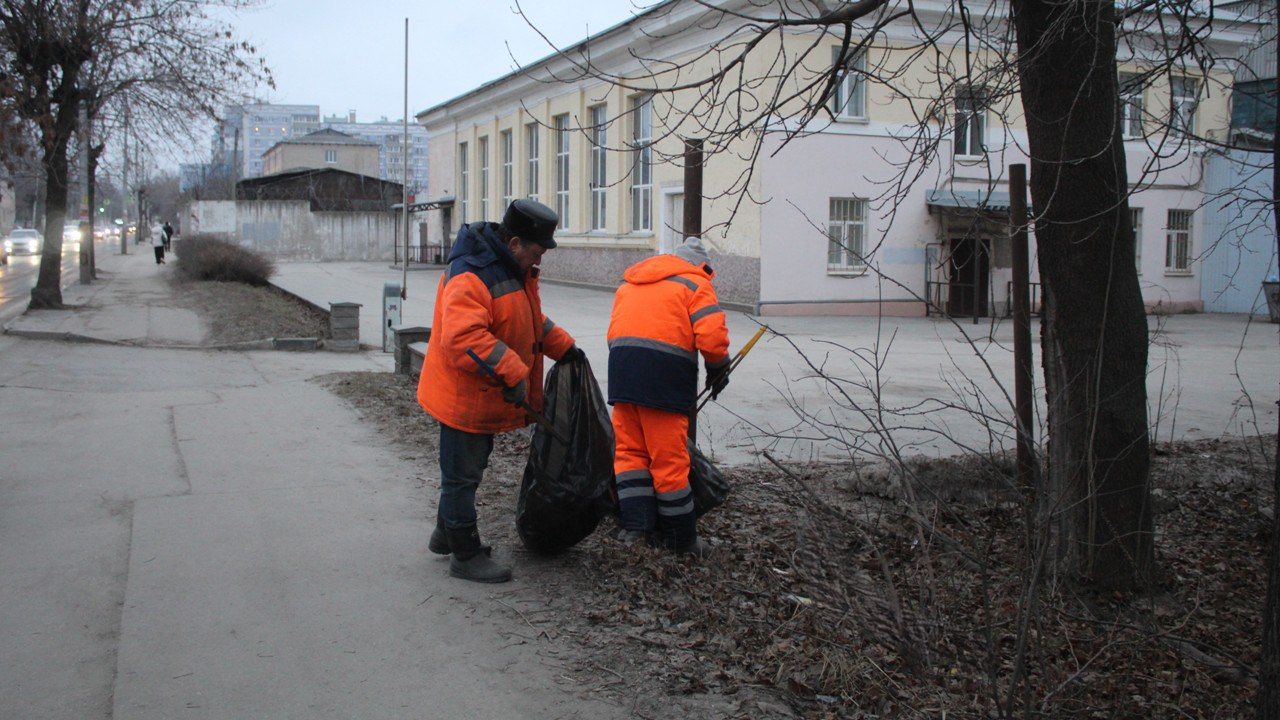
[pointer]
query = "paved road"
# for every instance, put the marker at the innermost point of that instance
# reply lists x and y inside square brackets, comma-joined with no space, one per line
[19,276]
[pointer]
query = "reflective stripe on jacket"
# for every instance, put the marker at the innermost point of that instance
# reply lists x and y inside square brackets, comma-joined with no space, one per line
[664,315]
[483,305]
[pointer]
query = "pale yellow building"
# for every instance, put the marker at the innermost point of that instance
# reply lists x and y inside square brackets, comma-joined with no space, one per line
[887,196]
[322,149]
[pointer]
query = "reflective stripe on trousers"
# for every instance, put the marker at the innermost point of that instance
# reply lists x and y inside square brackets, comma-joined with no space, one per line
[651,463]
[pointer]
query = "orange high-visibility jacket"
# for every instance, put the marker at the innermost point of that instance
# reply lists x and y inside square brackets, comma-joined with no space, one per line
[663,316]
[483,305]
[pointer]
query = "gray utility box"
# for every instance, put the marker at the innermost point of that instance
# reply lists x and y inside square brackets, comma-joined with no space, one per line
[1271,289]
[405,337]
[390,315]
[344,326]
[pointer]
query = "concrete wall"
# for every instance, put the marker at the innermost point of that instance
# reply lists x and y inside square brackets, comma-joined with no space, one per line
[288,230]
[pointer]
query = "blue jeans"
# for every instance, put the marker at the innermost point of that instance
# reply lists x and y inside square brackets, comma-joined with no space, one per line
[463,458]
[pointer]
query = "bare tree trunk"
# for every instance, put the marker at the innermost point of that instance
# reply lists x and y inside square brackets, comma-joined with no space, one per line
[1094,329]
[48,290]
[1268,705]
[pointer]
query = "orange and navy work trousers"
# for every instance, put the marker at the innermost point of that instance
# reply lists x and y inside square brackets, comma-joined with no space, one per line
[651,465]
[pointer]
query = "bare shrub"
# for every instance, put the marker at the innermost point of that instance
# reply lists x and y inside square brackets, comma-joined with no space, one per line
[205,257]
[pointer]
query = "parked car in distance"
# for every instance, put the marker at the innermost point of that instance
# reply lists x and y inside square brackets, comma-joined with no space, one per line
[22,241]
[71,237]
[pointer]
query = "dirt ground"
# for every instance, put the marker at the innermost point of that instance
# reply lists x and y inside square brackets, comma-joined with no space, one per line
[239,313]
[845,592]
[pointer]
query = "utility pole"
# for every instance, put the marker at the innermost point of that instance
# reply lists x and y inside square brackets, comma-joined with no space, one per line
[124,187]
[86,234]
[404,187]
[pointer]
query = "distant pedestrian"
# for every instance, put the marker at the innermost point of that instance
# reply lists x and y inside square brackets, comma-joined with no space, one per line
[167,230]
[157,243]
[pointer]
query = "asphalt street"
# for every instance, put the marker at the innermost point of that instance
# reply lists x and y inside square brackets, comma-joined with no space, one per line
[19,276]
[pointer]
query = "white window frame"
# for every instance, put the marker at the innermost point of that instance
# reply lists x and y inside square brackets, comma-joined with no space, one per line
[849,102]
[971,122]
[1178,242]
[846,236]
[508,168]
[483,149]
[531,137]
[561,123]
[331,156]
[642,163]
[598,189]
[1132,104]
[464,183]
[1183,93]
[1135,219]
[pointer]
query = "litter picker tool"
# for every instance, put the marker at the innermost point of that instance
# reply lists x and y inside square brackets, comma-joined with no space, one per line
[705,395]
[541,419]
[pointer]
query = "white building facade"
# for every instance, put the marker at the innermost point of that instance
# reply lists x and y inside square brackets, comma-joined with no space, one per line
[892,199]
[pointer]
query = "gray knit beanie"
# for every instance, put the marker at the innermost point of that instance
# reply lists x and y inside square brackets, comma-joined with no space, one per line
[692,251]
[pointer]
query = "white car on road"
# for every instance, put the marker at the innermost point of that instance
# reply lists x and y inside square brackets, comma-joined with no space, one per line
[22,241]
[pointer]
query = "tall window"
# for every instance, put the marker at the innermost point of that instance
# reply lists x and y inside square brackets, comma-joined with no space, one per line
[850,99]
[531,160]
[331,156]
[1177,247]
[464,183]
[1183,92]
[641,164]
[483,149]
[1130,105]
[971,121]
[1135,215]
[599,156]
[845,233]
[562,169]
[508,169]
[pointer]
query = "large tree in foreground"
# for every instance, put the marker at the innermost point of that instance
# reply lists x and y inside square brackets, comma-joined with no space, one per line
[1094,333]
[44,47]
[64,60]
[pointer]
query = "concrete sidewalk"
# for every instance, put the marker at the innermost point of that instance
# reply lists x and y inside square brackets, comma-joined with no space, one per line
[209,534]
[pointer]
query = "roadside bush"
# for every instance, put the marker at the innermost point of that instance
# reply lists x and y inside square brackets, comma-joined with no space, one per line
[205,257]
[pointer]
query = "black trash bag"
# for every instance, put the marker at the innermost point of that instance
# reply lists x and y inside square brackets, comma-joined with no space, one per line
[709,487]
[567,489]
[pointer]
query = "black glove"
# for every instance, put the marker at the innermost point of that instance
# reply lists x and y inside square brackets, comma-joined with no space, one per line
[516,393]
[573,353]
[717,379]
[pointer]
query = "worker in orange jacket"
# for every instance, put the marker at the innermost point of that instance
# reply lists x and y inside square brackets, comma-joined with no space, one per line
[487,303]
[664,315]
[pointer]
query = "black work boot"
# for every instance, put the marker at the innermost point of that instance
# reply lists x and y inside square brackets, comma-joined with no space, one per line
[679,534]
[439,542]
[470,562]
[698,548]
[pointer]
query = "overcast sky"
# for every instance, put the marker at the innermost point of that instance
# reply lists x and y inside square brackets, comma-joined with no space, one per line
[344,55]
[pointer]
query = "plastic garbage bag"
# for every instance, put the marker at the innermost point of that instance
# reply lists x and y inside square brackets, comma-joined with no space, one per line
[567,489]
[709,487]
